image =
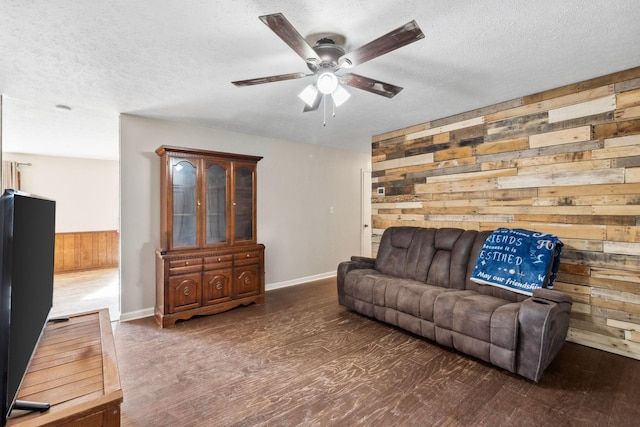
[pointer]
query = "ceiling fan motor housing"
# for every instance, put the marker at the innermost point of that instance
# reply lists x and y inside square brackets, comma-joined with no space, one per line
[328,52]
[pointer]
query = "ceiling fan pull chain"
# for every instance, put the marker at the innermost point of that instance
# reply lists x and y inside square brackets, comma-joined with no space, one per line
[333,105]
[324,110]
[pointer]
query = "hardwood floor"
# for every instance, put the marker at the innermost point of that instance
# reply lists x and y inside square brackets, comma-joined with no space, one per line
[82,291]
[301,359]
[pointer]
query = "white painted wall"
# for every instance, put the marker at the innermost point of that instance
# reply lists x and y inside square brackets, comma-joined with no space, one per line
[86,191]
[298,184]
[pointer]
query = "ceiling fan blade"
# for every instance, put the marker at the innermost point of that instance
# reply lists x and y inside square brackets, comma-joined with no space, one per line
[402,36]
[283,29]
[270,79]
[370,85]
[316,104]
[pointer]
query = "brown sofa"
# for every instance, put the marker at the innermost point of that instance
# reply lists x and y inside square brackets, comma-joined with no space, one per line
[420,282]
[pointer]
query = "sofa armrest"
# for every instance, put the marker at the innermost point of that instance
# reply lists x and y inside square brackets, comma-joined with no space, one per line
[543,324]
[356,263]
[551,295]
[365,259]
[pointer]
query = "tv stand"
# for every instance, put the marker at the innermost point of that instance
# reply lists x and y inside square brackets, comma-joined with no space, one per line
[75,369]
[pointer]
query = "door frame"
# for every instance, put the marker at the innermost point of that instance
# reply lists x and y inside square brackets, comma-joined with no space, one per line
[365,211]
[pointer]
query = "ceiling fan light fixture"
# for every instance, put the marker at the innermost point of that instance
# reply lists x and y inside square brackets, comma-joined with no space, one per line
[345,63]
[340,96]
[327,82]
[308,95]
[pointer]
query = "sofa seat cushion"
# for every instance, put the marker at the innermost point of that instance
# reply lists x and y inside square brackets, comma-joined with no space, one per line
[480,325]
[418,299]
[374,294]
[359,284]
[472,315]
[444,305]
[415,308]
[373,287]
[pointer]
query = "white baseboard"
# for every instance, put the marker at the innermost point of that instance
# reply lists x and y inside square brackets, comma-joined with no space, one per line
[138,314]
[298,281]
[147,312]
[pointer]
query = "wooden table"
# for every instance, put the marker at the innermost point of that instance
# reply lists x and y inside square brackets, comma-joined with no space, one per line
[75,370]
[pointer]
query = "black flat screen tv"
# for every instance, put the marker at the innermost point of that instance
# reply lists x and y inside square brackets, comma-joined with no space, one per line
[27,243]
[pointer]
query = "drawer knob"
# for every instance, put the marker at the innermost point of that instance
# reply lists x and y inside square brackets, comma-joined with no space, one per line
[219,285]
[248,255]
[186,263]
[219,259]
[247,281]
[186,292]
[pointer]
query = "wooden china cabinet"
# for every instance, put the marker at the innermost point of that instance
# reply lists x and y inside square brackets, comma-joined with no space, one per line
[209,260]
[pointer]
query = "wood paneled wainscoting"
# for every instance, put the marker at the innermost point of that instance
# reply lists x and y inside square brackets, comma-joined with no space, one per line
[87,250]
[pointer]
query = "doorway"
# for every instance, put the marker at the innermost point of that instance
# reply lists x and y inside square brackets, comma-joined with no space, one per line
[365,223]
[71,155]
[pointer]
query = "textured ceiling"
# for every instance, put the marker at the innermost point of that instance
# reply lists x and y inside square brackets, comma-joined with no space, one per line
[176,59]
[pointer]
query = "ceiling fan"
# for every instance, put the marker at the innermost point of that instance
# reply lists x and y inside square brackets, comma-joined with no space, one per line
[325,58]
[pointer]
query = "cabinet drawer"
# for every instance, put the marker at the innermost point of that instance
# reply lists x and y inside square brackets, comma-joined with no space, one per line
[246,258]
[185,266]
[218,261]
[185,262]
[185,270]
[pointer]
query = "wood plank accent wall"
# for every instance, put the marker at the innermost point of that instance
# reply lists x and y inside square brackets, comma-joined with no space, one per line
[89,250]
[564,161]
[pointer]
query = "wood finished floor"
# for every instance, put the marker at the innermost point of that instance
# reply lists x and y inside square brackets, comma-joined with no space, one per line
[82,291]
[300,359]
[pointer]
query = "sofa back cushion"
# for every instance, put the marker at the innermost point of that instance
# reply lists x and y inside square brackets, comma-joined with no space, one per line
[421,253]
[409,252]
[437,257]
[442,257]
[449,265]
[393,253]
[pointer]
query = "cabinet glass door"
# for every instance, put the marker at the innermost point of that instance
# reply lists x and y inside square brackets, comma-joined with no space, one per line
[216,200]
[184,204]
[243,203]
